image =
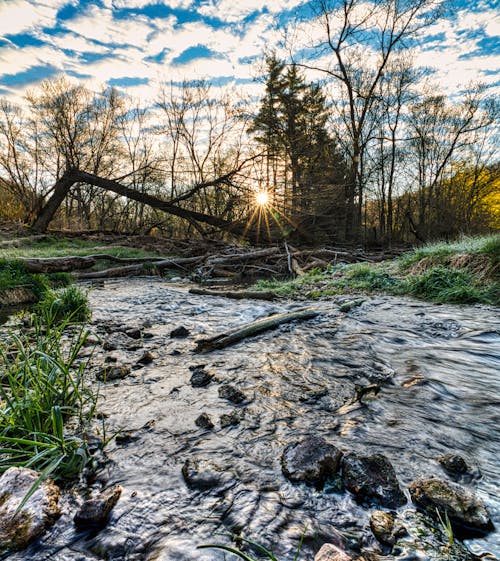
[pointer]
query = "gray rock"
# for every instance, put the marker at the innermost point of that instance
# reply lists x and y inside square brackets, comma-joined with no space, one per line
[205,474]
[134,333]
[147,357]
[454,464]
[200,378]
[94,512]
[121,341]
[36,516]
[230,419]
[204,421]
[179,332]
[311,460]
[330,552]
[113,372]
[463,507]
[232,394]
[372,479]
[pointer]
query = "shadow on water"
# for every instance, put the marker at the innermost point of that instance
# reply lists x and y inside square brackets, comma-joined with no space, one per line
[438,366]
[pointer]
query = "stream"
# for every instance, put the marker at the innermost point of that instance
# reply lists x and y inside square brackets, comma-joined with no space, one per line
[437,367]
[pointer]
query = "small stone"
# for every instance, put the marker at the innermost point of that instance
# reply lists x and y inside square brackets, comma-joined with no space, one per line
[114,372]
[232,394]
[372,479]
[179,332]
[91,341]
[35,517]
[382,525]
[94,513]
[204,421]
[134,333]
[454,464]
[146,358]
[330,552]
[462,506]
[311,460]
[200,378]
[230,419]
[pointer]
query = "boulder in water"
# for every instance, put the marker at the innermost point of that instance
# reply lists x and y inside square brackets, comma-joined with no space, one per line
[372,479]
[204,474]
[311,460]
[463,507]
[35,517]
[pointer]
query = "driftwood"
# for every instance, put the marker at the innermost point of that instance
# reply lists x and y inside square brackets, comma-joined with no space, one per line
[236,294]
[229,337]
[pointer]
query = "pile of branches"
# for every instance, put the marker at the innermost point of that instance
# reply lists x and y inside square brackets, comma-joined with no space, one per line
[218,261]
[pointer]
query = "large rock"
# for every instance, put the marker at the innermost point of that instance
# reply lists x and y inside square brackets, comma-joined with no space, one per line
[330,552]
[94,512]
[39,513]
[372,479]
[311,460]
[463,507]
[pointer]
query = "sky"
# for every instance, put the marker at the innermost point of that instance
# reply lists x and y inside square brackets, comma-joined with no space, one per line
[135,45]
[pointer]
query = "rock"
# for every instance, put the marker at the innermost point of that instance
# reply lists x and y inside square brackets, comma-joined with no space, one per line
[372,479]
[113,372]
[205,474]
[454,465]
[91,340]
[121,341]
[94,512]
[146,358]
[36,516]
[382,525]
[311,460]
[330,552]
[230,419]
[463,507]
[134,333]
[232,394]
[179,332]
[204,421]
[200,377]
[350,305]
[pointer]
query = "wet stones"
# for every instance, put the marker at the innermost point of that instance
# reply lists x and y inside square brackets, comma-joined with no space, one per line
[383,527]
[330,552]
[204,474]
[204,422]
[35,517]
[112,372]
[232,394]
[311,460]
[147,357]
[179,333]
[454,465]
[94,512]
[372,479]
[462,506]
[230,419]
[200,377]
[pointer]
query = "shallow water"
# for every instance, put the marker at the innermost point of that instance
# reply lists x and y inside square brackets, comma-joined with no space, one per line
[440,393]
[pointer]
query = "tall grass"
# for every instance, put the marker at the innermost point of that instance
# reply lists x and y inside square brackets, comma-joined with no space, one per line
[67,305]
[42,387]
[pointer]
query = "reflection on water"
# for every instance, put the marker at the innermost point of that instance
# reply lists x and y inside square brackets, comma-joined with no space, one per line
[438,367]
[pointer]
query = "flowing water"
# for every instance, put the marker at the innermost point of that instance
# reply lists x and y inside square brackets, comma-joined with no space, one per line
[438,369]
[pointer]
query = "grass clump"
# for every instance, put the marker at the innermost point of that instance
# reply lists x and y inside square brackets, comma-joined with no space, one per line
[13,275]
[42,387]
[69,305]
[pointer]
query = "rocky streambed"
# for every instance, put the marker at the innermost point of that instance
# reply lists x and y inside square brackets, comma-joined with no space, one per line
[325,429]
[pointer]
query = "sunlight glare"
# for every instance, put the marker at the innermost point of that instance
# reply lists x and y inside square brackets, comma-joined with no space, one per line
[262,198]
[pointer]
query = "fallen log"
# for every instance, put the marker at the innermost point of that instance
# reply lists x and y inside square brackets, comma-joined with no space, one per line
[57,264]
[229,337]
[142,268]
[236,294]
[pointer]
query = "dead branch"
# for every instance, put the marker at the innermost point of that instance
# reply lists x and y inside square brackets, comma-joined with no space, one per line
[236,294]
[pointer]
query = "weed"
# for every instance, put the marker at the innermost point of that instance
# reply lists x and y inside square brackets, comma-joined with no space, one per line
[64,305]
[446,526]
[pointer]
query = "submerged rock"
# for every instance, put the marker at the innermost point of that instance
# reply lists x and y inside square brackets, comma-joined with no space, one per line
[372,479]
[35,517]
[230,419]
[330,552]
[205,474]
[454,465]
[232,394]
[134,333]
[200,378]
[384,528]
[121,341]
[311,460]
[147,357]
[204,421]
[94,512]
[462,506]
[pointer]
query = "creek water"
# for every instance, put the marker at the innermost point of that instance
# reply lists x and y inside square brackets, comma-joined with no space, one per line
[438,369]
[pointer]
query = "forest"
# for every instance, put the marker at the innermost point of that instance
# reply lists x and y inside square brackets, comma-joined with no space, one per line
[369,151]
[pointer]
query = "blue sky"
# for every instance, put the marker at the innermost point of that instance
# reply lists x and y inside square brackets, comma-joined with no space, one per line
[137,44]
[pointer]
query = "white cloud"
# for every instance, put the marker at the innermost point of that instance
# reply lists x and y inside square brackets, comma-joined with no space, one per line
[17,16]
[235,10]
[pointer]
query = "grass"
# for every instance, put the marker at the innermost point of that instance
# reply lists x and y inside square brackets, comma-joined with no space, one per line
[13,275]
[66,305]
[464,272]
[42,388]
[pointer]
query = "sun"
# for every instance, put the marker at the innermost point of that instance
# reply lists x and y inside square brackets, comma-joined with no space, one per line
[262,198]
